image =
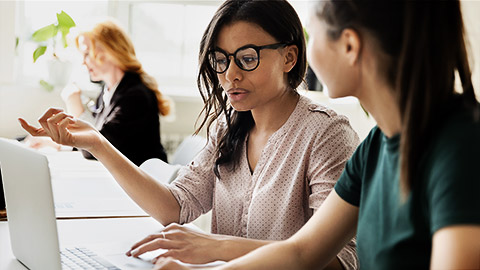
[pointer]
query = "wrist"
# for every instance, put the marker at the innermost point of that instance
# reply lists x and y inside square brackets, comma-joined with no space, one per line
[74,98]
[231,247]
[225,247]
[98,147]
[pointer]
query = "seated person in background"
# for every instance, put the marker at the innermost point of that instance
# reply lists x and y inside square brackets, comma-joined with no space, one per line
[127,110]
[272,155]
[410,191]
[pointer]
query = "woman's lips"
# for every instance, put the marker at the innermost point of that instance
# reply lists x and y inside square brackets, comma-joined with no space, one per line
[237,94]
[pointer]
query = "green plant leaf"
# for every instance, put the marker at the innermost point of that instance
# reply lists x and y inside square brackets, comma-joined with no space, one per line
[17,41]
[46,85]
[39,52]
[65,22]
[305,33]
[45,33]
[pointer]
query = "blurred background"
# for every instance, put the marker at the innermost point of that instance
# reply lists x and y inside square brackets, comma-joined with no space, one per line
[166,35]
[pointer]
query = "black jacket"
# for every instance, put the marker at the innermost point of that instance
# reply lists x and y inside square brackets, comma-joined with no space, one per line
[131,121]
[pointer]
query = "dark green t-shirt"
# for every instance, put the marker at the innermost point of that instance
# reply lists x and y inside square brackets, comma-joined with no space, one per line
[396,235]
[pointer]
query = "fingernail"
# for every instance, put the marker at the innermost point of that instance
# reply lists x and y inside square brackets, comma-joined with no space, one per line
[134,252]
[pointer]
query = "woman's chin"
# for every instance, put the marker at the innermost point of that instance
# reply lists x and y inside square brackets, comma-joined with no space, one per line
[240,108]
[94,78]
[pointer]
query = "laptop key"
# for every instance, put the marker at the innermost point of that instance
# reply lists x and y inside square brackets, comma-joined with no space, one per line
[81,258]
[105,263]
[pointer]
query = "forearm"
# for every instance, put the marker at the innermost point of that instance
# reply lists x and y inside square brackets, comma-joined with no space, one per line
[150,195]
[314,246]
[456,247]
[232,247]
[291,256]
[268,257]
[74,105]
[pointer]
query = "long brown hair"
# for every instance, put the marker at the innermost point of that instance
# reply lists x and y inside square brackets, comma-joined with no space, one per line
[425,45]
[279,19]
[119,48]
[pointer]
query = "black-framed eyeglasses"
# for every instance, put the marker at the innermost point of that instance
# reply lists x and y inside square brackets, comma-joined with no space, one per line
[247,57]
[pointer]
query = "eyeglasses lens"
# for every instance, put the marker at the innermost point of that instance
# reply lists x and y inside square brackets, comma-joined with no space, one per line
[246,59]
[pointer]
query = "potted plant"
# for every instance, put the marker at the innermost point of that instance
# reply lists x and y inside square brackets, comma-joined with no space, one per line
[53,38]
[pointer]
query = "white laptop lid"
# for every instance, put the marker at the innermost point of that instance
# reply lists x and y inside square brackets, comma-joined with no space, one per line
[30,208]
[31,214]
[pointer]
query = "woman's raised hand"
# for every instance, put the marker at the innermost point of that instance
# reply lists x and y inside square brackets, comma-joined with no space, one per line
[64,129]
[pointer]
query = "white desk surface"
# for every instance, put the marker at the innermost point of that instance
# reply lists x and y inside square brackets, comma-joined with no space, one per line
[102,212]
[85,232]
[85,188]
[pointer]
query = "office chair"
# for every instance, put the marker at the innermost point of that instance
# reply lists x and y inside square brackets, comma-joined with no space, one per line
[188,149]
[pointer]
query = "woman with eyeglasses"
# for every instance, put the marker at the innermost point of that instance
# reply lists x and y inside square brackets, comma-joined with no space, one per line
[410,192]
[272,156]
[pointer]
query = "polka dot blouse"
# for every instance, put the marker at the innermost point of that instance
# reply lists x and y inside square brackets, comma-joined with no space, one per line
[297,169]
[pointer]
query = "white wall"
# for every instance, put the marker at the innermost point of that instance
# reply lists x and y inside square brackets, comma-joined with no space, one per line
[23,101]
[471,12]
[29,100]
[7,41]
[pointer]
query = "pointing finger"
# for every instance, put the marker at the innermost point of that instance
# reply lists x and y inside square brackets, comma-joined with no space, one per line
[31,129]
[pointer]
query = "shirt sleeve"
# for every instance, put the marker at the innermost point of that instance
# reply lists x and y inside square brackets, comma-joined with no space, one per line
[454,184]
[349,185]
[330,152]
[194,186]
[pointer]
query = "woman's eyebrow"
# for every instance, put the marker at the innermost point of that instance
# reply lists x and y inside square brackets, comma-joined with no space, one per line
[246,45]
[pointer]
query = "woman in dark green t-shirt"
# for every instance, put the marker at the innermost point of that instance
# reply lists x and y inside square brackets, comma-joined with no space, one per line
[411,190]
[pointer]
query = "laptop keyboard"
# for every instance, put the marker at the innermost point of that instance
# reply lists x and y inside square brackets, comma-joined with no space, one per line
[82,258]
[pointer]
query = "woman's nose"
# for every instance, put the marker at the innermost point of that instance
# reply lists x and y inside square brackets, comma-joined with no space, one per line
[233,72]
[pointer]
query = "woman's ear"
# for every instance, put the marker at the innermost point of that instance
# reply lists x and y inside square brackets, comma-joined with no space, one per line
[351,45]
[291,57]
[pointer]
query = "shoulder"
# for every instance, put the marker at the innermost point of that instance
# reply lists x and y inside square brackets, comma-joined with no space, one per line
[218,128]
[451,172]
[132,87]
[133,82]
[321,119]
[456,143]
[312,109]
[458,129]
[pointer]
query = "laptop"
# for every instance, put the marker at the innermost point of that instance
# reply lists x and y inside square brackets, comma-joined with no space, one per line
[31,215]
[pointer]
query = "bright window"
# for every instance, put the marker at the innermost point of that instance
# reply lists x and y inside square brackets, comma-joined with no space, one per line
[33,15]
[167,40]
[166,35]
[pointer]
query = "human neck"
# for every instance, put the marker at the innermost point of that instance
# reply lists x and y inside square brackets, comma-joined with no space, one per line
[270,117]
[113,77]
[379,100]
